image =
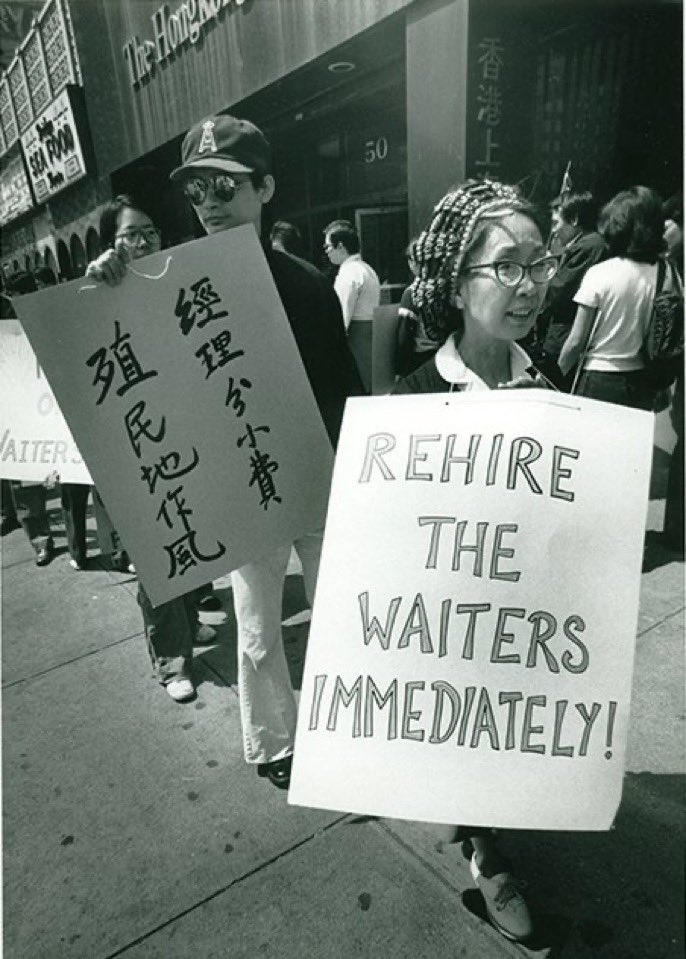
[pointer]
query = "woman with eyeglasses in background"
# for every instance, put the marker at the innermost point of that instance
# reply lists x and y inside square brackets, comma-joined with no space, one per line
[482,274]
[128,232]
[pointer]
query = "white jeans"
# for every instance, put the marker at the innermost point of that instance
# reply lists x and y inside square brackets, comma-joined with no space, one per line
[267,703]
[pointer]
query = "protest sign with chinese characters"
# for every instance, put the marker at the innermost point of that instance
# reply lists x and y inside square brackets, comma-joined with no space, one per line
[188,398]
[471,647]
[34,438]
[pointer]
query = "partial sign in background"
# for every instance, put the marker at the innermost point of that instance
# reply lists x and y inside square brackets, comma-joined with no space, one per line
[34,437]
[185,390]
[471,647]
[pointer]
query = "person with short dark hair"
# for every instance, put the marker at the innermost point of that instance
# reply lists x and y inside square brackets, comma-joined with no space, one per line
[286,237]
[356,283]
[581,247]
[225,175]
[172,628]
[614,303]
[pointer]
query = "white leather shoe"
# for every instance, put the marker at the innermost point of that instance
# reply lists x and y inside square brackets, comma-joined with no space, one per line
[181,690]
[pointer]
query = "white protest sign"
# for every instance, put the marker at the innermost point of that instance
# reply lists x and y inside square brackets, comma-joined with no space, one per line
[471,647]
[187,395]
[34,437]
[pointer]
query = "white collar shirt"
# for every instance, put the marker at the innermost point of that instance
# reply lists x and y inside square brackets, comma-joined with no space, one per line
[454,370]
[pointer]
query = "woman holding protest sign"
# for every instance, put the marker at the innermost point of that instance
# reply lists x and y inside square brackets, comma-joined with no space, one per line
[128,232]
[482,275]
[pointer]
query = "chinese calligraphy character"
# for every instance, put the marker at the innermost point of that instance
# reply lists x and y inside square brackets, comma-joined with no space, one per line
[137,427]
[184,551]
[175,497]
[491,59]
[167,468]
[129,366]
[490,146]
[204,298]
[220,344]
[250,435]
[263,468]
[491,109]
[234,397]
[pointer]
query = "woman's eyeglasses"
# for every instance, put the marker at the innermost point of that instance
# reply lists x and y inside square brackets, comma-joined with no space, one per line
[510,273]
[133,237]
[224,187]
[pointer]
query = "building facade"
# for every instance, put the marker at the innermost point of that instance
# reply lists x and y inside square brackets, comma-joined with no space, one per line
[374,108]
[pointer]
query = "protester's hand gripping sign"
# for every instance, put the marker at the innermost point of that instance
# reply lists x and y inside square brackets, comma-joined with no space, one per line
[472,639]
[34,439]
[187,396]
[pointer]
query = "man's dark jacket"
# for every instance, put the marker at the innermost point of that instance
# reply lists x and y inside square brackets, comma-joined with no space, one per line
[559,309]
[314,313]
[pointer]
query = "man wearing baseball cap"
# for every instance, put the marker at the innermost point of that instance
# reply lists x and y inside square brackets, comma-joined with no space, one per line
[226,176]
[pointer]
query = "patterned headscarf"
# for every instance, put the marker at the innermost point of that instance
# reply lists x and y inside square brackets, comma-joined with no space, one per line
[439,251]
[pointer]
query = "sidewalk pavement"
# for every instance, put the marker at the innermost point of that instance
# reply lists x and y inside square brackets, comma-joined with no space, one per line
[133,828]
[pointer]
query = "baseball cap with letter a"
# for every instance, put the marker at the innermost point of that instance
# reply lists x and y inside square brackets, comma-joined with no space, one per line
[222,142]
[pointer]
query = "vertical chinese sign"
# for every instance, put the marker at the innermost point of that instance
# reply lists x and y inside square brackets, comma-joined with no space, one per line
[501,97]
[190,404]
[489,105]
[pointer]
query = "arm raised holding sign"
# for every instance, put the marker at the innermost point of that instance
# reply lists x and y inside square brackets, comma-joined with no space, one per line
[483,270]
[226,177]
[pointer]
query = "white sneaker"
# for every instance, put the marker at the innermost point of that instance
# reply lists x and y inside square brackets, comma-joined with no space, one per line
[181,690]
[214,618]
[205,636]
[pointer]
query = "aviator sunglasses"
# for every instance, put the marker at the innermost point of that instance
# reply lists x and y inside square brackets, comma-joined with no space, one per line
[224,187]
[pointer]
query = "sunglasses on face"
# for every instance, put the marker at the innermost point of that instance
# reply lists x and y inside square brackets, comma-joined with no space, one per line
[223,186]
[133,237]
[509,273]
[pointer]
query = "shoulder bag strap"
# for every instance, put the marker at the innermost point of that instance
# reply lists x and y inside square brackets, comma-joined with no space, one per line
[582,360]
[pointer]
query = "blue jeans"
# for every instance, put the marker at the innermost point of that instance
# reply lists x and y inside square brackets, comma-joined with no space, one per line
[74,498]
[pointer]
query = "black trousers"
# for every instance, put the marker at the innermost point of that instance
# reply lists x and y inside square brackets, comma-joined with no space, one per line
[74,497]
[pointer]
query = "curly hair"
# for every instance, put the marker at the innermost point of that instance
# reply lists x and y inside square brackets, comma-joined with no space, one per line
[453,231]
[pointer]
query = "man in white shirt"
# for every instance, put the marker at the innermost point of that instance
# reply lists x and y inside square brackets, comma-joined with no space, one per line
[356,283]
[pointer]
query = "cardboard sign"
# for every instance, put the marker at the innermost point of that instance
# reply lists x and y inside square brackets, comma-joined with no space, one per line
[472,638]
[185,390]
[34,437]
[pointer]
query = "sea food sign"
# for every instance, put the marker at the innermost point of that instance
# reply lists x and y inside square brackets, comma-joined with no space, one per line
[53,149]
[172,33]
